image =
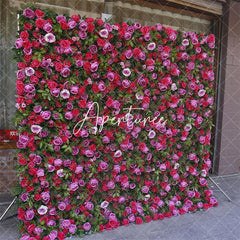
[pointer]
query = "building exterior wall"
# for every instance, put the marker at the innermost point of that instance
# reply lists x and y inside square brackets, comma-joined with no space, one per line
[8,176]
[229,154]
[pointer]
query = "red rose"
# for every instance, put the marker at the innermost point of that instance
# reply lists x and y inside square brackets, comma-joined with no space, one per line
[75,17]
[148,218]
[169,31]
[124,179]
[29,188]
[20,87]
[125,222]
[58,66]
[145,30]
[81,90]
[24,35]
[146,100]
[101,228]
[22,161]
[139,220]
[89,20]
[39,13]
[82,103]
[109,102]
[161,216]
[113,222]
[206,206]
[100,22]
[211,38]
[61,236]
[28,26]
[122,125]
[52,84]
[92,147]
[166,49]
[156,200]
[95,88]
[150,62]
[27,44]
[73,166]
[63,25]
[82,208]
[37,197]
[108,226]
[31,228]
[22,65]
[100,42]
[35,63]
[27,58]
[91,27]
[40,23]
[34,79]
[64,44]
[21,214]
[46,238]
[87,66]
[182,211]
[185,133]
[136,52]
[35,44]
[75,112]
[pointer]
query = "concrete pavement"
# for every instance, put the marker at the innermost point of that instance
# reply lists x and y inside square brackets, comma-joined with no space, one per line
[220,223]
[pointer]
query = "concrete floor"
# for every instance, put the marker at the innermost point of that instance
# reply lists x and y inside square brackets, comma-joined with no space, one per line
[220,223]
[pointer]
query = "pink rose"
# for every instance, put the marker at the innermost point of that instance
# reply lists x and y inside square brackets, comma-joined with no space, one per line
[87,226]
[126,83]
[131,218]
[28,13]
[65,72]
[94,183]
[83,26]
[103,165]
[61,206]
[163,167]
[58,162]
[89,206]
[46,115]
[18,43]
[47,27]
[94,66]
[145,189]
[29,215]
[89,153]
[73,186]
[111,185]
[71,24]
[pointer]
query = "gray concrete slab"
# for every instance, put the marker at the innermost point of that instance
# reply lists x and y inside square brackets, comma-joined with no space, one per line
[220,223]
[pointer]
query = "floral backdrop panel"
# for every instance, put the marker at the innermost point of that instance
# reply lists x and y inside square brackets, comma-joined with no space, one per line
[115,123]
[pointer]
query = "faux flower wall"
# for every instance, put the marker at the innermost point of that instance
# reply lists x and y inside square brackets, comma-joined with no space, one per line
[114,121]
